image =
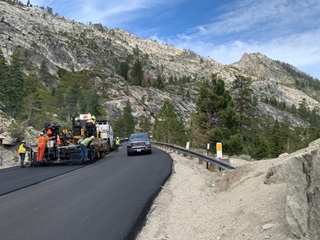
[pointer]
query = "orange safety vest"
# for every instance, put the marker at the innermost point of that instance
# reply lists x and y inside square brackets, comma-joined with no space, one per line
[43,140]
[22,149]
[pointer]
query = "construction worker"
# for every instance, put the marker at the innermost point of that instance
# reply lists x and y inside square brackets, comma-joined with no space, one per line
[92,120]
[117,143]
[22,152]
[85,143]
[42,140]
[49,132]
[91,126]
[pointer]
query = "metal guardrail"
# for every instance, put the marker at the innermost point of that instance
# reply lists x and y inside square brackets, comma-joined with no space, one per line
[216,161]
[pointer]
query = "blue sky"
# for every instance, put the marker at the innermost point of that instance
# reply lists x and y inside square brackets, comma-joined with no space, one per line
[285,30]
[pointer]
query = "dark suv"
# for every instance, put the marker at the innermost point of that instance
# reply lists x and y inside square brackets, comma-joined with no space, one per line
[139,143]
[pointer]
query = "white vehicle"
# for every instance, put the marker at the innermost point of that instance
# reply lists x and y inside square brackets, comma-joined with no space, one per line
[105,132]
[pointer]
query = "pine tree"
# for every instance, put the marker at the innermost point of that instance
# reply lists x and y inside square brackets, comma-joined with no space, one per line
[169,126]
[260,148]
[16,89]
[136,73]
[216,117]
[243,98]
[4,82]
[128,119]
[277,139]
[45,76]
[145,124]
[125,125]
[93,102]
[159,83]
[123,70]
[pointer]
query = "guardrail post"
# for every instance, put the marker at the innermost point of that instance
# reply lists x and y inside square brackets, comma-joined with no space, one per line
[212,167]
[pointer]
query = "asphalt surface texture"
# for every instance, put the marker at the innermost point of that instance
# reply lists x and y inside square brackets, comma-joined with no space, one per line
[106,200]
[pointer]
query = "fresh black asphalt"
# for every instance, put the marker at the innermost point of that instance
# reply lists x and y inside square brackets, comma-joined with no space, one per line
[107,200]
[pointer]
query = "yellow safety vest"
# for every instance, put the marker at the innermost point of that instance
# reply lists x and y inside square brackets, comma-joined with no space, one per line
[22,149]
[86,141]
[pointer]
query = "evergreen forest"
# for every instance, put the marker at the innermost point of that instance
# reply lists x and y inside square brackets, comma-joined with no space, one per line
[229,116]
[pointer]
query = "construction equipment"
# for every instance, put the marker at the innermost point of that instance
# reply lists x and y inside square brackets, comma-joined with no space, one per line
[64,148]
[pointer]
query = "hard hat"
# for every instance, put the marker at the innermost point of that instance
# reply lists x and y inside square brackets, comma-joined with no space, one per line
[117,137]
[93,117]
[92,137]
[41,133]
[23,141]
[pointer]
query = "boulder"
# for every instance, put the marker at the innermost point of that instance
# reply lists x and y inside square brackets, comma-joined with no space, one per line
[303,195]
[6,139]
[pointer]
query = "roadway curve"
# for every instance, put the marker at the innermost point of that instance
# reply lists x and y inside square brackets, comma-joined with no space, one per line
[105,200]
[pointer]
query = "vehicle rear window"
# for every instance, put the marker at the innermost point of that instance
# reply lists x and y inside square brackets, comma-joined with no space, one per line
[138,136]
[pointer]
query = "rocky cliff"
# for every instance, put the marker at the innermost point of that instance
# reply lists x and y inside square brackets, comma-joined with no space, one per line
[60,43]
[73,46]
[303,197]
[9,141]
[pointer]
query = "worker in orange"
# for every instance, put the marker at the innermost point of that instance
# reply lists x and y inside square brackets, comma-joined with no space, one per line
[42,140]
[49,132]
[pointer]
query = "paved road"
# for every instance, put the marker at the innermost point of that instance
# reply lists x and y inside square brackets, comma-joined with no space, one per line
[105,200]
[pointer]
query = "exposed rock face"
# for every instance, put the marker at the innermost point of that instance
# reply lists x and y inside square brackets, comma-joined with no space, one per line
[263,68]
[7,156]
[275,114]
[73,46]
[9,145]
[301,173]
[303,198]
[147,102]
[290,96]
[5,137]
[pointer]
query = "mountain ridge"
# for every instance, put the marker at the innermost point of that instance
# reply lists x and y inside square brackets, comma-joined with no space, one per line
[73,46]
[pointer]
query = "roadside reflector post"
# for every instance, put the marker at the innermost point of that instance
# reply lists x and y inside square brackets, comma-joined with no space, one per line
[187,147]
[200,161]
[219,150]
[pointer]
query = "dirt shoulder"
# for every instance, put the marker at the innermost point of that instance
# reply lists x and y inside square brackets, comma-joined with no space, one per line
[197,204]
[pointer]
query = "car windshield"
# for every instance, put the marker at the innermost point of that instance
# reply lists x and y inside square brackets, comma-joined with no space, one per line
[138,136]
